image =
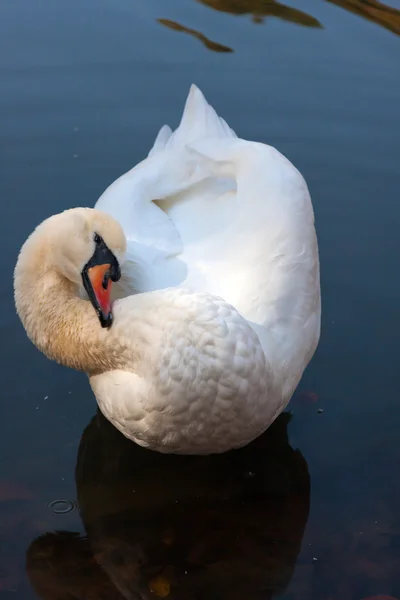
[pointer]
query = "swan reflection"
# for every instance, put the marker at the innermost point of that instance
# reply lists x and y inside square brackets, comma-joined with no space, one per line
[187,528]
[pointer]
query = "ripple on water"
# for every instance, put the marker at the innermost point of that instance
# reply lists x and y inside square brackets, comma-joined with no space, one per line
[62,507]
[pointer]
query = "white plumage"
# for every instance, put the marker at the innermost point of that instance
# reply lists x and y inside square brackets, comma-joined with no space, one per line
[210,216]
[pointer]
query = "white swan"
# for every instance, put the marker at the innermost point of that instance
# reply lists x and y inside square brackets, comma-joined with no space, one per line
[215,236]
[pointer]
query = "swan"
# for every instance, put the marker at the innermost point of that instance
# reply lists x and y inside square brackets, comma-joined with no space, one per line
[190,293]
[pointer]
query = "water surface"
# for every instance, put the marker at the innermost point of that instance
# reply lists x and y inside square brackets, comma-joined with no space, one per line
[311,510]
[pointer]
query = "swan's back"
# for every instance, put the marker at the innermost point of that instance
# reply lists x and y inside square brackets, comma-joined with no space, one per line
[211,212]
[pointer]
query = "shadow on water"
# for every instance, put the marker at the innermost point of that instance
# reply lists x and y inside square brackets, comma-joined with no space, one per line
[215,528]
[260,10]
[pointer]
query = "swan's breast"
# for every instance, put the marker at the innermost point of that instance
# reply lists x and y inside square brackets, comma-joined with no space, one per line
[203,384]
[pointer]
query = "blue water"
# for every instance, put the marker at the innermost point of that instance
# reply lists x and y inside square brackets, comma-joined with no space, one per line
[84,87]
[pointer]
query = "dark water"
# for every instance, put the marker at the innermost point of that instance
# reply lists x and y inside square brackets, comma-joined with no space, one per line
[311,510]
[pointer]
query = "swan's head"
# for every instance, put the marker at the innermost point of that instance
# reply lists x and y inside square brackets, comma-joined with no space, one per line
[84,245]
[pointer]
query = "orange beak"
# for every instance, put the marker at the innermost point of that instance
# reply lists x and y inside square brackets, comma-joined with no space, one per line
[97,277]
[101,286]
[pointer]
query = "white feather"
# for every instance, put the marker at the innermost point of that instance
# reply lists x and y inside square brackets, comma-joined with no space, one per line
[214,214]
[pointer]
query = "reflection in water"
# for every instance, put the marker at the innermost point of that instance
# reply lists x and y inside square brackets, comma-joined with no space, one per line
[260,9]
[190,528]
[205,40]
[374,11]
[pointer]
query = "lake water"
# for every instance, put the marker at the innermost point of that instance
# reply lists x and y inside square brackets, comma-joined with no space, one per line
[311,510]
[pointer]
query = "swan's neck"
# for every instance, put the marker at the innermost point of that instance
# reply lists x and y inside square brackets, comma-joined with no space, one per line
[61,324]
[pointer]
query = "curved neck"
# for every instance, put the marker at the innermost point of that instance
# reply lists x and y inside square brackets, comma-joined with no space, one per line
[62,325]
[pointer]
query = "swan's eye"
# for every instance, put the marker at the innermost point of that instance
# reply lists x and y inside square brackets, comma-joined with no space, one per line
[97,238]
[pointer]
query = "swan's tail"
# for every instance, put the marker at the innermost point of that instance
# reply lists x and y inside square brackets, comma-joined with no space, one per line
[199,121]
